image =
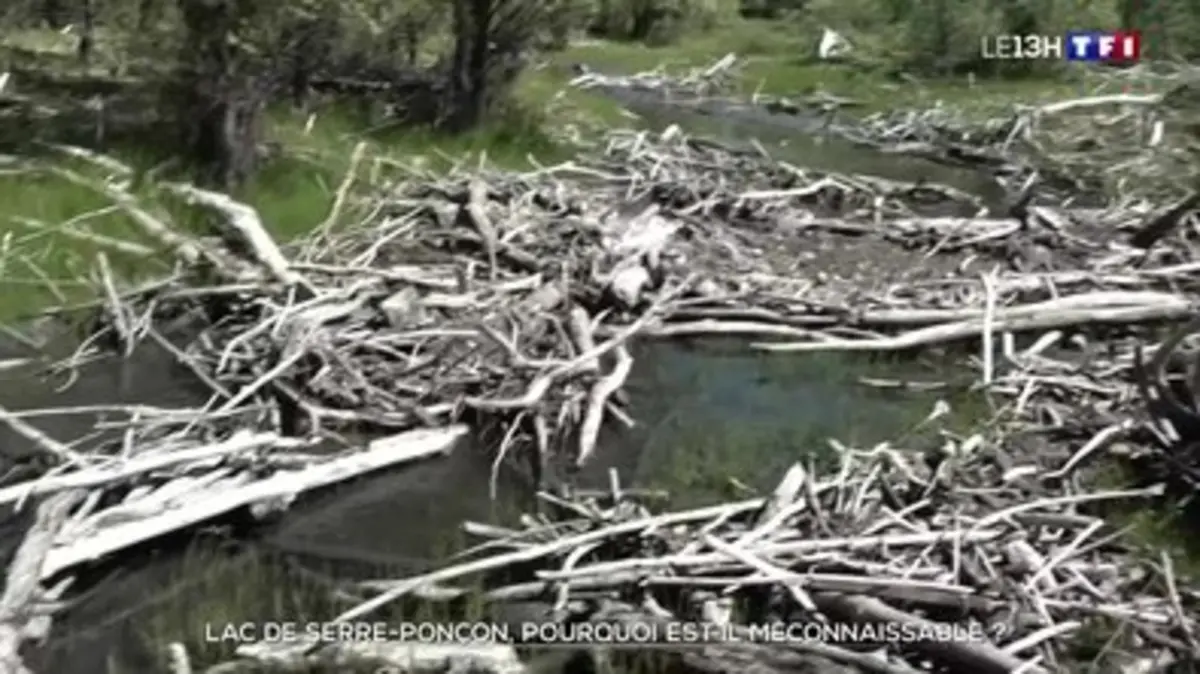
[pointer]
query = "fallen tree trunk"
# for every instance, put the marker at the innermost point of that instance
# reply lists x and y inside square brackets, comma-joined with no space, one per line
[24,610]
[114,531]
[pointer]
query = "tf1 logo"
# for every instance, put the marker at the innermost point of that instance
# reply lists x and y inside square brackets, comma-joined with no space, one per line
[1104,45]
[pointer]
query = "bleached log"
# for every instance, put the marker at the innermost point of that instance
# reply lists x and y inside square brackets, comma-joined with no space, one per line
[785,494]
[14,363]
[410,585]
[602,390]
[1100,307]
[637,243]
[832,45]
[244,219]
[177,493]
[628,282]
[647,233]
[187,248]
[284,486]
[1094,101]
[177,655]
[93,477]
[22,590]
[402,307]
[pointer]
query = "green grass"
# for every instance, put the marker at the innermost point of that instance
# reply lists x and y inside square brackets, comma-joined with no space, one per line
[778,61]
[294,194]
[546,88]
[40,265]
[1153,531]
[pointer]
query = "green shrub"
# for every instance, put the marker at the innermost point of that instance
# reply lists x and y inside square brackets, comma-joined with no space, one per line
[944,36]
[563,19]
[1170,29]
[770,9]
[657,21]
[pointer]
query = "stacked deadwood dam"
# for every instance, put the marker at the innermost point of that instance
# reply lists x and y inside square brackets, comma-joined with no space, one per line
[503,304]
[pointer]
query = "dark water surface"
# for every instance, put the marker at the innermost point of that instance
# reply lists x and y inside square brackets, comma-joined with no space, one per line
[805,140]
[705,411]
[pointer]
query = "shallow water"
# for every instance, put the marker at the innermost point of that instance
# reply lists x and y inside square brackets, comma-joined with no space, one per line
[705,410]
[806,141]
[396,521]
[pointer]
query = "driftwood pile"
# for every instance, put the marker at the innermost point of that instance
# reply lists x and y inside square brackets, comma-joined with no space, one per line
[882,539]
[715,79]
[507,300]
[1133,134]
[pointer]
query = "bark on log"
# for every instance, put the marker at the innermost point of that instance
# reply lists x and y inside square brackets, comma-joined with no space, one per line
[19,617]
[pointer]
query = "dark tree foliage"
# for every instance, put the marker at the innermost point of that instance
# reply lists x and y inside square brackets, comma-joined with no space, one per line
[307,44]
[452,63]
[148,13]
[218,65]
[54,13]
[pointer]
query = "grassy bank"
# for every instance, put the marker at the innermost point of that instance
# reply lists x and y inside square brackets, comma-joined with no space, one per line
[295,192]
[779,60]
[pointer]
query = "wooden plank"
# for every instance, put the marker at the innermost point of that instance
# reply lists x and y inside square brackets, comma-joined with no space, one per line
[284,486]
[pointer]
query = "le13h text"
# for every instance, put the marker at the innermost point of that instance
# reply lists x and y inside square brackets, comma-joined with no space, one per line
[1123,46]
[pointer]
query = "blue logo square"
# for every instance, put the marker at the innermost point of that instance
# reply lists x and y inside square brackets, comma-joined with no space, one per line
[1083,45]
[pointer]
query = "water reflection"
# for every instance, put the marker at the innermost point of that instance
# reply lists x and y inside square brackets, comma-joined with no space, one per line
[715,411]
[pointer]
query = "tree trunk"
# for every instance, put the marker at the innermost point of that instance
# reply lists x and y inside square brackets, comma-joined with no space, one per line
[413,41]
[87,36]
[221,102]
[489,39]
[300,44]
[463,85]
[147,14]
[478,65]
[53,14]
